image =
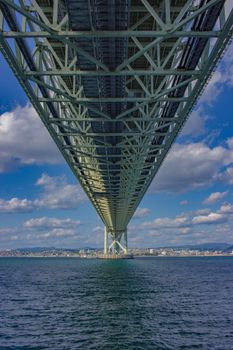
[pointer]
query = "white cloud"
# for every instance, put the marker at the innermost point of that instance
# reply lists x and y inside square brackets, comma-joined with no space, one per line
[227,176]
[43,229]
[212,218]
[7,230]
[45,222]
[215,197]
[222,77]
[185,230]
[195,124]
[186,221]
[193,165]
[25,140]
[56,233]
[166,222]
[199,212]
[214,87]
[56,193]
[141,213]
[16,205]
[226,209]
[190,227]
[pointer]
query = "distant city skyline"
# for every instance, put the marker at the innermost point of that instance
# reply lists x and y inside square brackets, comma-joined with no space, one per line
[190,200]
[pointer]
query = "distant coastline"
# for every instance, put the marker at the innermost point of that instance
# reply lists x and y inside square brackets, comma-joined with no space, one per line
[189,251]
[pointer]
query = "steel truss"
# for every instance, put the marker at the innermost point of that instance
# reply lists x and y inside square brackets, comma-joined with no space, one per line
[172,48]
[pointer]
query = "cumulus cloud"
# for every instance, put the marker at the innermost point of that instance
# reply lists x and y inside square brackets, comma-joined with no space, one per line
[25,140]
[193,165]
[56,233]
[45,222]
[195,125]
[212,218]
[187,221]
[199,226]
[186,228]
[222,77]
[166,222]
[141,213]
[163,229]
[227,176]
[48,234]
[226,209]
[45,231]
[7,231]
[215,197]
[16,205]
[214,87]
[56,193]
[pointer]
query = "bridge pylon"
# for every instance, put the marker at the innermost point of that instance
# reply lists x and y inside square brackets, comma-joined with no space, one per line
[118,245]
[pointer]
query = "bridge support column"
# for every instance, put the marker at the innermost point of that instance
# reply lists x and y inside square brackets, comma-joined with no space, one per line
[119,245]
[105,240]
[126,241]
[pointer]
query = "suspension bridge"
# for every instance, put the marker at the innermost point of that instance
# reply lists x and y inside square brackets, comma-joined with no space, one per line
[113,82]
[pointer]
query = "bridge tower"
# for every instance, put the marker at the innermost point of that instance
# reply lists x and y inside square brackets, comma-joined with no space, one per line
[119,242]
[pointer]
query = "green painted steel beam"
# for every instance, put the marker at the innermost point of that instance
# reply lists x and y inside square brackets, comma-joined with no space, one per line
[111,34]
[114,99]
[98,73]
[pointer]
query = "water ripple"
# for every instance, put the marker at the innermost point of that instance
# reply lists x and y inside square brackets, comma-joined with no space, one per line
[148,304]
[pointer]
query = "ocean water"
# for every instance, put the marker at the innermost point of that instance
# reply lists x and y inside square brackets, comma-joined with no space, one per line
[151,303]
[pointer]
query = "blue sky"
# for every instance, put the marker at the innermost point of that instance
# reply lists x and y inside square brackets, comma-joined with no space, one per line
[190,200]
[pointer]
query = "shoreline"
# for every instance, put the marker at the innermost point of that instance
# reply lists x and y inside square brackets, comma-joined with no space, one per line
[135,256]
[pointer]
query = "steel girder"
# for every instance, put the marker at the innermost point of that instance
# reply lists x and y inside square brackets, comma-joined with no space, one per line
[173,48]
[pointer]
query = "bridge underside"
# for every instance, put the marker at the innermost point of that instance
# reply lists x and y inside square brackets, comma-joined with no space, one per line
[114,82]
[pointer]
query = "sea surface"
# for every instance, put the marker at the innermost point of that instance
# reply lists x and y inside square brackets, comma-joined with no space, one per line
[145,303]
